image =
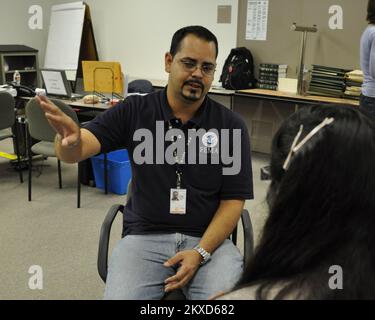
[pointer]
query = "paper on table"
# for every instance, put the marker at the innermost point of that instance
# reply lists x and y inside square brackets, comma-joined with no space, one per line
[287,85]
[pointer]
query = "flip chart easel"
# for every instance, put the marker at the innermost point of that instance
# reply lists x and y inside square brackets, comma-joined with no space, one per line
[70,39]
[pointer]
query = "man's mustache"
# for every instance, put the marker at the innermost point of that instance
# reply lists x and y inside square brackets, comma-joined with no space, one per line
[195,82]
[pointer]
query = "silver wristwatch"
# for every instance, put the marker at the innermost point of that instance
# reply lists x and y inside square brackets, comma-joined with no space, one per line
[205,255]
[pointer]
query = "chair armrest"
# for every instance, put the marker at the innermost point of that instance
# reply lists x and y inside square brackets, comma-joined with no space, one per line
[105,232]
[265,173]
[248,235]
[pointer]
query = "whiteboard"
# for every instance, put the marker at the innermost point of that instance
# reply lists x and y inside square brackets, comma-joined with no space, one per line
[64,37]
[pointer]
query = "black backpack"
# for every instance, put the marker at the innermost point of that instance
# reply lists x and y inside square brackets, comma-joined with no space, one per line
[238,70]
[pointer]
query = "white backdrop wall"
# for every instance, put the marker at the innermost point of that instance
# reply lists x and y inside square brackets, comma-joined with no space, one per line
[14,24]
[137,33]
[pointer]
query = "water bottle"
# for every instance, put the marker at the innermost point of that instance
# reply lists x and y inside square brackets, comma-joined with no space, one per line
[17,77]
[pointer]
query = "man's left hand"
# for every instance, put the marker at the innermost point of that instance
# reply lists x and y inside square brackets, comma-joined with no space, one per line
[189,261]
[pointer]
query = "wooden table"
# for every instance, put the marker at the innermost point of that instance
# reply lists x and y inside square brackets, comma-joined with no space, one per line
[284,96]
[265,110]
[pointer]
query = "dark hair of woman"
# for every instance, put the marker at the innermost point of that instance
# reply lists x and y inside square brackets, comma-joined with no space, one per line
[371,11]
[322,210]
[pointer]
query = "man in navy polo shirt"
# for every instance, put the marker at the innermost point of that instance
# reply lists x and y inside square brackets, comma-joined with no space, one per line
[191,174]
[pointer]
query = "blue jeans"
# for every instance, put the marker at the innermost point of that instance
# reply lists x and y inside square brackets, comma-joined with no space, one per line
[367,104]
[136,268]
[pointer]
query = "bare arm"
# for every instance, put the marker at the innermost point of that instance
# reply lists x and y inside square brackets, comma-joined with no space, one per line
[72,144]
[221,226]
[85,147]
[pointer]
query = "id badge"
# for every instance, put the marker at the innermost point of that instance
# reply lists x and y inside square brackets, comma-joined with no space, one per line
[177,201]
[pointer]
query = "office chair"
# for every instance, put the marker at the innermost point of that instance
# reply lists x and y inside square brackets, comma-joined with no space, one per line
[7,120]
[40,129]
[140,86]
[176,294]
[265,173]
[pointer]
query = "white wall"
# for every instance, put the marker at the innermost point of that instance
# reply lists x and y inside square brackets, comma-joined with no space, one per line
[14,24]
[137,33]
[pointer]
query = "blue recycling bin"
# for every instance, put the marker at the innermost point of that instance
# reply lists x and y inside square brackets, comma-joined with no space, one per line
[119,171]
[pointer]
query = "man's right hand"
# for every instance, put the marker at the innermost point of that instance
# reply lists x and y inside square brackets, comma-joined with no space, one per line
[76,144]
[65,126]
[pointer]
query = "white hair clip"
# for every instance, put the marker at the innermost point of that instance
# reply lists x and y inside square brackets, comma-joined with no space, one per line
[287,160]
[295,147]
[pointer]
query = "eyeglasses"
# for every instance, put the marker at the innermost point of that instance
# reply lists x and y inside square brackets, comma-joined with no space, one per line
[207,69]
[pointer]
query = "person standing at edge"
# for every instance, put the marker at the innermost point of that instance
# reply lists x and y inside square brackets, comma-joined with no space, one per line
[163,251]
[367,57]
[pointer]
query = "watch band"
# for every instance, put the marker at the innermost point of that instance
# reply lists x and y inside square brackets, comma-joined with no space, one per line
[205,255]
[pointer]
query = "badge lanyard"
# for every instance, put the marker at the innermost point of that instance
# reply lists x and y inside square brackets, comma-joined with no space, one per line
[178,162]
[178,196]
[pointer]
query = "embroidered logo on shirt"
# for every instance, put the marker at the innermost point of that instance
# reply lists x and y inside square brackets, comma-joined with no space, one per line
[210,139]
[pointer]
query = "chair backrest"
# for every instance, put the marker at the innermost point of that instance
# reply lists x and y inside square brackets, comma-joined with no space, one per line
[7,114]
[39,127]
[140,86]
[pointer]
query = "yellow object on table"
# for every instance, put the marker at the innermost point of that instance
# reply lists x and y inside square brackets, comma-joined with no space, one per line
[101,76]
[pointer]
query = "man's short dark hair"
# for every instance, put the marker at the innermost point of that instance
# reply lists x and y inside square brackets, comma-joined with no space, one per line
[199,31]
[371,11]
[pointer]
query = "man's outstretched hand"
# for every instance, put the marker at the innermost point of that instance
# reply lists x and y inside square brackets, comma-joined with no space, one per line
[65,126]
